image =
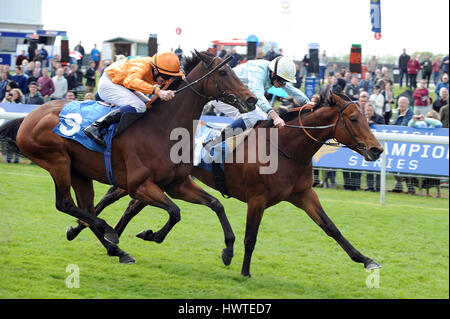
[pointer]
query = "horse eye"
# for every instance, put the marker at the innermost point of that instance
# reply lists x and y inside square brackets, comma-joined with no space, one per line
[354,119]
[222,72]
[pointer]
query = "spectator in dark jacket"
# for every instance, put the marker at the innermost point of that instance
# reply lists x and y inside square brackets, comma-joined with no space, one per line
[444,65]
[427,69]
[441,100]
[403,66]
[444,115]
[20,79]
[79,48]
[271,54]
[372,116]
[44,53]
[74,78]
[236,59]
[34,97]
[367,83]
[3,83]
[90,77]
[352,89]
[442,84]
[404,114]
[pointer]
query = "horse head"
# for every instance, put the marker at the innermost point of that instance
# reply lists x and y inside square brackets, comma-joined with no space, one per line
[352,128]
[224,85]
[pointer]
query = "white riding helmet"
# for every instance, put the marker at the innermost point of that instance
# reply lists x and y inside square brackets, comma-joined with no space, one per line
[283,67]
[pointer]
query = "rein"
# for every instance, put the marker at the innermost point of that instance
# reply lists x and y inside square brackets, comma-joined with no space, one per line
[341,117]
[189,85]
[304,128]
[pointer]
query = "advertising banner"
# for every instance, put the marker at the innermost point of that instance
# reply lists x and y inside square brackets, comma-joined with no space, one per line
[408,158]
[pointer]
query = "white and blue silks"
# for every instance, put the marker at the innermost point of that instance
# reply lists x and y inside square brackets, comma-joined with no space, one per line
[255,74]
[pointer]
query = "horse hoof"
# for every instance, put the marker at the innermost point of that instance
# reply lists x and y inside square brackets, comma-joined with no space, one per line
[246,275]
[70,234]
[146,235]
[149,235]
[226,257]
[127,259]
[372,265]
[112,238]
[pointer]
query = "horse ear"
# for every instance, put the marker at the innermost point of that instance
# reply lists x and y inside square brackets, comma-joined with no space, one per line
[201,56]
[325,93]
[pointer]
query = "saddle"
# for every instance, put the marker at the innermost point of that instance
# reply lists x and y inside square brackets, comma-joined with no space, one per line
[214,161]
[77,115]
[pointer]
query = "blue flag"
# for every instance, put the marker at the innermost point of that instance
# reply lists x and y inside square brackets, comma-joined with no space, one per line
[375,15]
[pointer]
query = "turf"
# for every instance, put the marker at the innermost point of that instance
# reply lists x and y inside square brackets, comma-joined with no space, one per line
[293,257]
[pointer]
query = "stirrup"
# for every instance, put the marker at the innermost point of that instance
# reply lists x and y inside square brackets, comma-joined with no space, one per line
[95,137]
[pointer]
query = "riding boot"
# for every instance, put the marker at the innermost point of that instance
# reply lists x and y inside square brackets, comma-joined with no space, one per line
[227,132]
[93,131]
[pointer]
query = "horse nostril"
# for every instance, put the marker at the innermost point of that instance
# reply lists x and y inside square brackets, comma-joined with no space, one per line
[251,102]
[376,151]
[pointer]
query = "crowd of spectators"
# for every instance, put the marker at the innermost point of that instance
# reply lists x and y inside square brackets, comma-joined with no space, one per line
[38,78]
[375,97]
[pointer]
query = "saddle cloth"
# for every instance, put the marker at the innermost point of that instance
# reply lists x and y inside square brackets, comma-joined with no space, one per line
[76,116]
[219,152]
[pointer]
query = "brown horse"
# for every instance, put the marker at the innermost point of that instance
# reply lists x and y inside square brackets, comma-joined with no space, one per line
[140,155]
[335,116]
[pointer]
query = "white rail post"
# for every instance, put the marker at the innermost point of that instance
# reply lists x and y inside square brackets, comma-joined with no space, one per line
[383,176]
[408,138]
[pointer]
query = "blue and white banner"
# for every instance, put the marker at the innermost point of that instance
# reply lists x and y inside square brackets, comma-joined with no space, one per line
[375,15]
[401,157]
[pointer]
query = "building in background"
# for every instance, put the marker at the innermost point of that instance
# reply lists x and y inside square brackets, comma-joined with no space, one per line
[21,28]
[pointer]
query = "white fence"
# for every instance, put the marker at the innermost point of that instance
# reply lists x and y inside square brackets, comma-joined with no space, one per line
[408,138]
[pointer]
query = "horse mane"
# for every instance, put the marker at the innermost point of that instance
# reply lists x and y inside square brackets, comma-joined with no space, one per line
[189,63]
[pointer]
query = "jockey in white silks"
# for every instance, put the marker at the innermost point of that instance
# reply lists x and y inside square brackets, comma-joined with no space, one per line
[259,76]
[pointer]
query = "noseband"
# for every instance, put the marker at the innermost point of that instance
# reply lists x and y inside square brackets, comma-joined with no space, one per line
[224,96]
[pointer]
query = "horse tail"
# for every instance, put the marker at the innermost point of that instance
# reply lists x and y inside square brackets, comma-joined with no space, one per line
[8,134]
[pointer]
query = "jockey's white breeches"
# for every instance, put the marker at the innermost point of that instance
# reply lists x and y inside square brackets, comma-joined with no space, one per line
[120,95]
[249,118]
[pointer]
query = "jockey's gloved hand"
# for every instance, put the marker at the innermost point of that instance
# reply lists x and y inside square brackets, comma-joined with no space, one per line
[166,95]
[277,120]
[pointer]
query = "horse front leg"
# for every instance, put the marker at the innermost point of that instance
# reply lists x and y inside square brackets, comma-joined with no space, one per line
[255,211]
[113,195]
[189,191]
[309,202]
[150,194]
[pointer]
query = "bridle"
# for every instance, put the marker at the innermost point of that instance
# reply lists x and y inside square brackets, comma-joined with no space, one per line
[224,96]
[356,144]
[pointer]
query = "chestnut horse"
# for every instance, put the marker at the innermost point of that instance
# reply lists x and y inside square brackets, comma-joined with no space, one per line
[140,155]
[335,116]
